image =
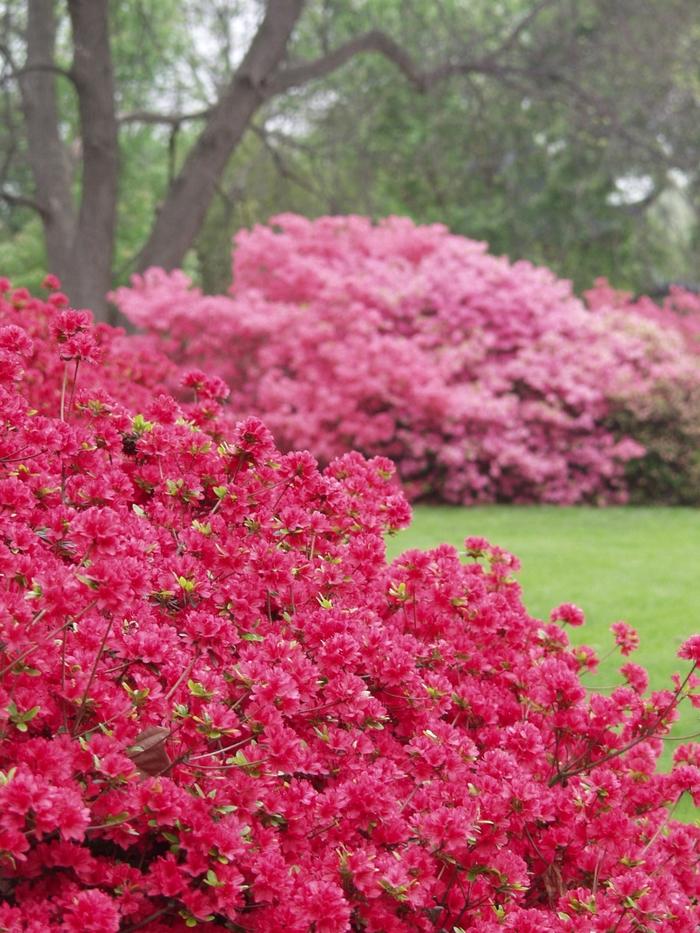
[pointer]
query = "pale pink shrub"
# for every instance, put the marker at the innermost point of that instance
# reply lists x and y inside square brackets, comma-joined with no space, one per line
[678,312]
[483,380]
[665,418]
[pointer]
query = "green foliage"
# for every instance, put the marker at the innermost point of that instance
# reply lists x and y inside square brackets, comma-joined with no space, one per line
[517,159]
[22,257]
[526,153]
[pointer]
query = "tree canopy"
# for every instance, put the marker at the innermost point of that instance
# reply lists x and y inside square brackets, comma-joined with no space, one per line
[144,133]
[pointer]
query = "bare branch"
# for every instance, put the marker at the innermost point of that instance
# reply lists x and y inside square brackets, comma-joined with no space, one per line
[373,41]
[168,119]
[7,55]
[19,200]
[378,42]
[283,170]
[184,208]
[15,75]
[512,38]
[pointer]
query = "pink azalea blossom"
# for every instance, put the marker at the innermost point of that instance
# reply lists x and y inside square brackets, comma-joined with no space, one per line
[221,706]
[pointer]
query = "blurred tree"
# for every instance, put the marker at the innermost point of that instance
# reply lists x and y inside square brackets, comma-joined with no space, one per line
[581,152]
[515,121]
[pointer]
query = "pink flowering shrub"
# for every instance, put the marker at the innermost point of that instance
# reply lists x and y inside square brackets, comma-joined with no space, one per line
[483,380]
[679,311]
[220,707]
[665,418]
[131,367]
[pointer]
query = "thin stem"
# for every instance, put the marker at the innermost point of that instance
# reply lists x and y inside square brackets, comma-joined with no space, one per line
[186,672]
[83,699]
[32,648]
[220,751]
[148,919]
[63,678]
[64,384]
[279,498]
[566,773]
[680,738]
[40,614]
[105,722]
[663,823]
[619,920]
[599,862]
[72,389]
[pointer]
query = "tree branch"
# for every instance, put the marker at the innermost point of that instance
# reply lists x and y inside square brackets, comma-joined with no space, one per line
[20,200]
[378,42]
[283,170]
[18,73]
[373,41]
[511,39]
[168,119]
[184,208]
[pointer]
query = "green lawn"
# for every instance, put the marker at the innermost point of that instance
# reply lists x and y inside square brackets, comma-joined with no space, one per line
[637,564]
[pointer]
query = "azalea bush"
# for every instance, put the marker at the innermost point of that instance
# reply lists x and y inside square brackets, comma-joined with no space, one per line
[665,418]
[678,313]
[481,379]
[220,707]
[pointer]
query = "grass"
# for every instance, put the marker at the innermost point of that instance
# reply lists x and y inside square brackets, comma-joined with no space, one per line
[636,564]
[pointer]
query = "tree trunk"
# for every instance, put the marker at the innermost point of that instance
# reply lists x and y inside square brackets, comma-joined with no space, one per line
[79,245]
[186,203]
[46,153]
[92,250]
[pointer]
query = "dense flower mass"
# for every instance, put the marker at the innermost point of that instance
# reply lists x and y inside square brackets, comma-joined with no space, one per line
[483,380]
[220,707]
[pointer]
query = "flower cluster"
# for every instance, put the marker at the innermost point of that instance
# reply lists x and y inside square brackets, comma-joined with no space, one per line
[220,707]
[482,380]
[679,311]
[58,341]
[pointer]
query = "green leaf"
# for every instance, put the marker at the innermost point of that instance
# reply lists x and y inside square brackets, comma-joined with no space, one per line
[199,690]
[140,425]
[212,880]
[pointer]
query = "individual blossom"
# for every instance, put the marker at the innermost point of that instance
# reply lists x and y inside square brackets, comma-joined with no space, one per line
[690,649]
[51,282]
[15,340]
[204,386]
[636,677]
[70,322]
[476,547]
[626,638]
[320,905]
[567,613]
[91,911]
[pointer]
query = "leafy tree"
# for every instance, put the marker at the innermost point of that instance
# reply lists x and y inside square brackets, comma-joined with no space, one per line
[122,119]
[532,160]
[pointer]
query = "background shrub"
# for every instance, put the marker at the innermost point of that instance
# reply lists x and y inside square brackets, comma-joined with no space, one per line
[483,380]
[665,418]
